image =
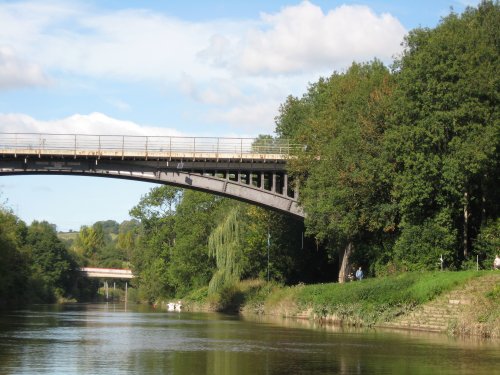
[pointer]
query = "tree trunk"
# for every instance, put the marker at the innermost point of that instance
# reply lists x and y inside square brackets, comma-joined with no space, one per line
[344,262]
[466,225]
[483,201]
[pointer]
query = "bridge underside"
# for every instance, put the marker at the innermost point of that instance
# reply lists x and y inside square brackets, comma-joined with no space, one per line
[261,182]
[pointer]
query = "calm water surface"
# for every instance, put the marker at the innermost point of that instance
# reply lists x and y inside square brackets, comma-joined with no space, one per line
[109,339]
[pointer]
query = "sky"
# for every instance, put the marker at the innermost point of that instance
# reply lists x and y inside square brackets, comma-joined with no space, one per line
[190,68]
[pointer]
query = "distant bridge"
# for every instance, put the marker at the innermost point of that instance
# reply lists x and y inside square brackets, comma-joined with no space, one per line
[106,273]
[247,169]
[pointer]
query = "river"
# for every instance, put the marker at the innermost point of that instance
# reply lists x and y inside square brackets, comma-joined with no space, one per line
[111,339]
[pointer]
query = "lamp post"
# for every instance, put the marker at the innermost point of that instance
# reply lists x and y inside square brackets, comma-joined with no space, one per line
[268,246]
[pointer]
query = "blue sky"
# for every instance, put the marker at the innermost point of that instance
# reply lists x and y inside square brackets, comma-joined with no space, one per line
[196,68]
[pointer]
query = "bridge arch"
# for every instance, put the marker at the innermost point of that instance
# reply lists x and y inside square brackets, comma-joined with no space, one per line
[237,168]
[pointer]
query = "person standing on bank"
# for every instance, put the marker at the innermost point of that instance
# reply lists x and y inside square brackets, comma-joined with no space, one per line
[496,263]
[359,274]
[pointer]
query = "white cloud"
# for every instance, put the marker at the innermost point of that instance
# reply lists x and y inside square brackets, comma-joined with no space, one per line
[140,44]
[129,44]
[94,123]
[253,118]
[217,92]
[16,73]
[219,63]
[302,38]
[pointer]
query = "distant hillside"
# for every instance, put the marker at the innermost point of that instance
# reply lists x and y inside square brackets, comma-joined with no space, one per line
[67,236]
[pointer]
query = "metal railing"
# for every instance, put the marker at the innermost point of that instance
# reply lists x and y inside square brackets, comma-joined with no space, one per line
[44,143]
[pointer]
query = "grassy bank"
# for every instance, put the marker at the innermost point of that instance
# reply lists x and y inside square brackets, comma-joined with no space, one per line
[368,302]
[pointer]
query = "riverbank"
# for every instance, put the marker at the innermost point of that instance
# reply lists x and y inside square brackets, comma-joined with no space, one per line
[459,303]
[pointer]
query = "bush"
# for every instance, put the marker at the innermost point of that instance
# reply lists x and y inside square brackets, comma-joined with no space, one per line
[420,247]
[487,244]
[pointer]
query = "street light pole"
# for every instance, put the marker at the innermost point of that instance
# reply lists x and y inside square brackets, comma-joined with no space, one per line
[268,245]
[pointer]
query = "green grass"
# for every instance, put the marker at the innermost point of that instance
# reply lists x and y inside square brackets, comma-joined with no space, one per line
[372,300]
[197,296]
[366,302]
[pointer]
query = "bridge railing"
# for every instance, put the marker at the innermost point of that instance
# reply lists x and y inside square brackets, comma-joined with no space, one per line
[143,145]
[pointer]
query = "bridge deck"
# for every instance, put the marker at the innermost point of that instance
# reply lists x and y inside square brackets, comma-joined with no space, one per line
[113,154]
[107,273]
[250,170]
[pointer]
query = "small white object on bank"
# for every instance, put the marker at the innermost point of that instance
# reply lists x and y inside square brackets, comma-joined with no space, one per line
[174,306]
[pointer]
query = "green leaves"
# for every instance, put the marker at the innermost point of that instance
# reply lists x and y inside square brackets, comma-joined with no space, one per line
[344,119]
[445,133]
[225,245]
[14,264]
[158,204]
[51,261]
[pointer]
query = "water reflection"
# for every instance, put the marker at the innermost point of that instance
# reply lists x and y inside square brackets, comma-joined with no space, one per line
[78,339]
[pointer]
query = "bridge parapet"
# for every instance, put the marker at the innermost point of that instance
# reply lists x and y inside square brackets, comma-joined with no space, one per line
[107,273]
[155,147]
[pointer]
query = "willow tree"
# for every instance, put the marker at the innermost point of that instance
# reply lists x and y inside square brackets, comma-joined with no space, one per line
[225,245]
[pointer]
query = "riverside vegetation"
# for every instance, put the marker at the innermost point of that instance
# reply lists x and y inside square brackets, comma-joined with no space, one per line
[377,302]
[399,172]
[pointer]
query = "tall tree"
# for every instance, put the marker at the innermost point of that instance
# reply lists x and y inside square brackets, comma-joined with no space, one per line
[152,254]
[51,262]
[445,135]
[197,215]
[14,264]
[344,180]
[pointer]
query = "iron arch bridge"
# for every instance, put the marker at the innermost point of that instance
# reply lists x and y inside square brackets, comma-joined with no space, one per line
[246,169]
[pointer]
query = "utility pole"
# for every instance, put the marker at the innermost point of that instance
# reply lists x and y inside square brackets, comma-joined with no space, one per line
[268,246]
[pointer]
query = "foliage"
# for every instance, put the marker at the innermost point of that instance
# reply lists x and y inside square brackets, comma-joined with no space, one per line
[51,264]
[402,166]
[159,204]
[104,244]
[172,256]
[191,267]
[232,297]
[487,245]
[253,243]
[267,144]
[88,243]
[344,178]
[293,257]
[152,253]
[108,226]
[35,266]
[444,137]
[13,264]
[224,244]
[420,247]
